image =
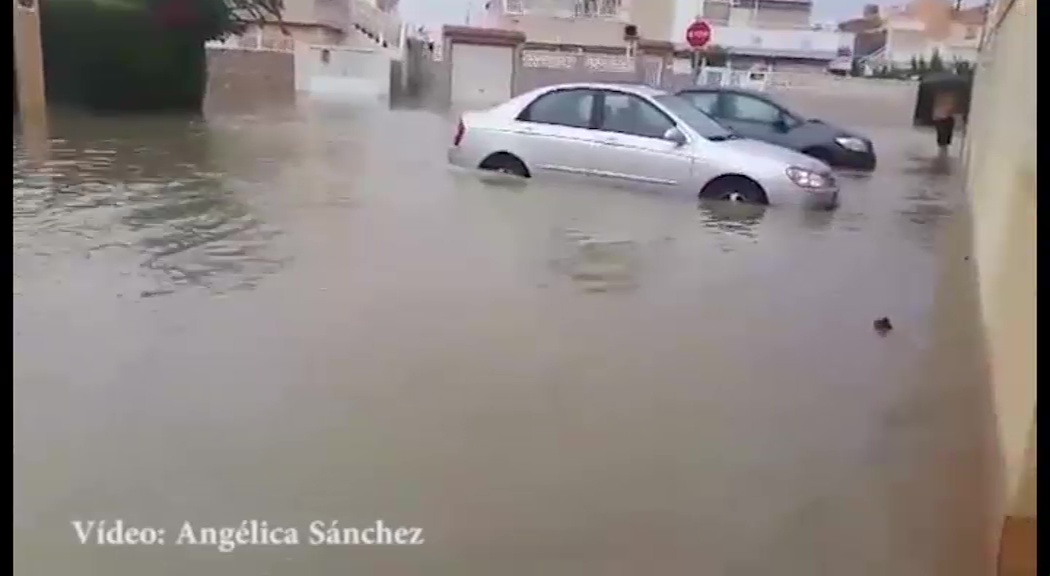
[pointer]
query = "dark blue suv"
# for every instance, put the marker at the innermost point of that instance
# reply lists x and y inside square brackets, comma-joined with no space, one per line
[755,115]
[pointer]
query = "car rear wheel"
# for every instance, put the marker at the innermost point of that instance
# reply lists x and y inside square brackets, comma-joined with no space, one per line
[505,164]
[734,189]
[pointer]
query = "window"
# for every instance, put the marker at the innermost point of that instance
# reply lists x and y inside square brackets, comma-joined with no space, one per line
[563,108]
[748,109]
[629,114]
[694,118]
[597,8]
[706,102]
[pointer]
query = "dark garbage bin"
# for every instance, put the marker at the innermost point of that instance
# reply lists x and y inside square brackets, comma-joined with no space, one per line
[937,83]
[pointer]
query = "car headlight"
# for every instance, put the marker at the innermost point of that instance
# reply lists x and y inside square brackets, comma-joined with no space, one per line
[851,143]
[807,178]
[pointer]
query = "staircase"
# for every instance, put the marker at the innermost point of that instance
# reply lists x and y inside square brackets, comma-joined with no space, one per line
[372,27]
[874,58]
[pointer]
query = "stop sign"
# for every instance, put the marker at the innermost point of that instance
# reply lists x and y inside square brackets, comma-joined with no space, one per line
[698,34]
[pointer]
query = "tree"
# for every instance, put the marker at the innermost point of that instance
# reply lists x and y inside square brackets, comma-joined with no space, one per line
[855,67]
[138,55]
[214,19]
[936,64]
[963,68]
[243,13]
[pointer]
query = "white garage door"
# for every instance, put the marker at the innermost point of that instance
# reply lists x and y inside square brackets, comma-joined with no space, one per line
[481,74]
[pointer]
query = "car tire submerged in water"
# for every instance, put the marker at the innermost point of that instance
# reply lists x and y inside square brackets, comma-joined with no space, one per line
[505,164]
[734,189]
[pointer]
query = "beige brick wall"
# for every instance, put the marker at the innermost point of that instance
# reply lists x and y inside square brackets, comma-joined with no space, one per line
[237,75]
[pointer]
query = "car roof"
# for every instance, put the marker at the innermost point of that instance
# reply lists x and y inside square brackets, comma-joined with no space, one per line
[639,89]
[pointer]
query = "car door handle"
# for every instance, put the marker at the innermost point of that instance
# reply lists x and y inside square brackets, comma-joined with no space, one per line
[610,141]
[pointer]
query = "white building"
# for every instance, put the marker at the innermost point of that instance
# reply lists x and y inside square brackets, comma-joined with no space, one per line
[778,32]
[909,36]
[896,35]
[588,22]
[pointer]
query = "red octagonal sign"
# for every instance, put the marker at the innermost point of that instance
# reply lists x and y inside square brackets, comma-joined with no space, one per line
[698,34]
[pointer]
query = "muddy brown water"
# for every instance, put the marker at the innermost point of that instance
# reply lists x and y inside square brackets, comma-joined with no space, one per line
[302,315]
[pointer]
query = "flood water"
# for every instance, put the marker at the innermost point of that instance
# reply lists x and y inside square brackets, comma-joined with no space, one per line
[303,315]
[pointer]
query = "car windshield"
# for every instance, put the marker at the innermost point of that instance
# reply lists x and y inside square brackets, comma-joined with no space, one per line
[697,120]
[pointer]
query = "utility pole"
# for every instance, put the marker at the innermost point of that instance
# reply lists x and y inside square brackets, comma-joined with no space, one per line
[29,67]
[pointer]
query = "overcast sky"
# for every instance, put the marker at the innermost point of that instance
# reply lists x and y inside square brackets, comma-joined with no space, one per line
[437,12]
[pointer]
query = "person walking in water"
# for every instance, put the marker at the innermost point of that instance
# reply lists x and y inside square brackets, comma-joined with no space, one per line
[945,108]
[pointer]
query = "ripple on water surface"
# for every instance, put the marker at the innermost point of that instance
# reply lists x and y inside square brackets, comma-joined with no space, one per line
[549,378]
[155,197]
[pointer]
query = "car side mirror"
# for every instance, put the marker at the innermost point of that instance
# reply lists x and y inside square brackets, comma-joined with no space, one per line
[781,125]
[675,135]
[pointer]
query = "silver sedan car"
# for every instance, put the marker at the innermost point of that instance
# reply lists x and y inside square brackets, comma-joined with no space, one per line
[638,136]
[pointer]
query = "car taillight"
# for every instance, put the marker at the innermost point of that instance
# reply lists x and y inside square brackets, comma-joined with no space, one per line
[460,131]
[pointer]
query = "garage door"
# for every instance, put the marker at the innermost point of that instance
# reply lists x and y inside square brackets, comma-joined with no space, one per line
[481,74]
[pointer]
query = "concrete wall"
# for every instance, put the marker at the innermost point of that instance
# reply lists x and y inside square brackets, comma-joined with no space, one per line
[343,72]
[237,75]
[656,21]
[299,11]
[544,68]
[419,73]
[1001,183]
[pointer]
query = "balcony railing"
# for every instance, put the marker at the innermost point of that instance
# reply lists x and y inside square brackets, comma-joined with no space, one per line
[798,41]
[565,8]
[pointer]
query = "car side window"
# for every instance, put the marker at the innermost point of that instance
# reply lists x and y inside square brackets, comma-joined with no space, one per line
[629,114]
[749,109]
[707,102]
[561,108]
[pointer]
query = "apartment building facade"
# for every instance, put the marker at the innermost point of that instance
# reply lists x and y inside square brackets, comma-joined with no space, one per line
[777,14]
[777,33]
[365,23]
[587,22]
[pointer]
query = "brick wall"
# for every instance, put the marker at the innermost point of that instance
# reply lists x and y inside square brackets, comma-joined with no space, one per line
[236,75]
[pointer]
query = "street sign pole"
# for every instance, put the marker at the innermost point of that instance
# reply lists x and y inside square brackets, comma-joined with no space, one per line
[697,35]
